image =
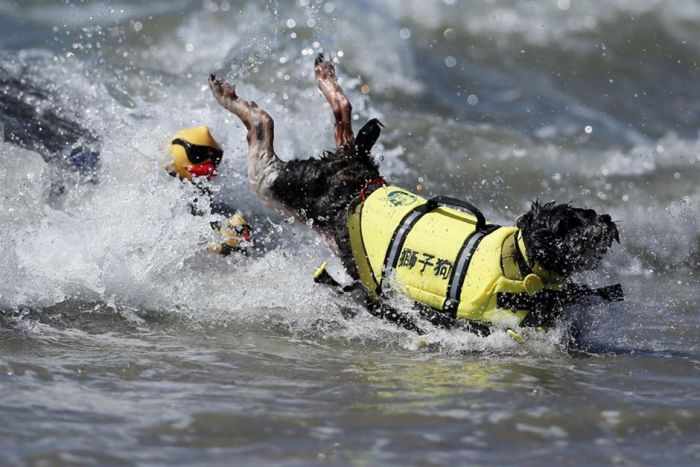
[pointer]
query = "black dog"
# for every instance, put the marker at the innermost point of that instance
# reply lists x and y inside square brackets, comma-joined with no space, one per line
[535,260]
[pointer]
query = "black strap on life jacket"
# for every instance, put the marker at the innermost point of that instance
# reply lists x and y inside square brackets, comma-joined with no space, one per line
[547,305]
[459,271]
[471,243]
[447,317]
[412,217]
[399,238]
[523,267]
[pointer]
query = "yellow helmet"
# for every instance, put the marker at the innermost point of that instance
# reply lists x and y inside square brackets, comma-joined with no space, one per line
[195,153]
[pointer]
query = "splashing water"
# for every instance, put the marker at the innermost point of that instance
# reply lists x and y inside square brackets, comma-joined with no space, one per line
[121,332]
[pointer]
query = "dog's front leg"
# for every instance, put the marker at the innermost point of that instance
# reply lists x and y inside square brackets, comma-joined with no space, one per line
[391,314]
[342,110]
[263,163]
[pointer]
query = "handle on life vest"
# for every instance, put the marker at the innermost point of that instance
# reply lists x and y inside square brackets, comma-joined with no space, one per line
[454,202]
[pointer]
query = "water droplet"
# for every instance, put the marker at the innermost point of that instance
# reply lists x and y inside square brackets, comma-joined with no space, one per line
[405,33]
[450,61]
[291,23]
[472,99]
[588,129]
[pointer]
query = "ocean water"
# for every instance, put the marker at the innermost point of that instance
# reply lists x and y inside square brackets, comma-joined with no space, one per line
[123,342]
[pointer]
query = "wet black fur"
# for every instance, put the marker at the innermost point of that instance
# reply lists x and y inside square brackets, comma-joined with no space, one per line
[321,189]
[564,239]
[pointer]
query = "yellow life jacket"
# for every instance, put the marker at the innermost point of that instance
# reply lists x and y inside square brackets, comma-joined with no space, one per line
[442,257]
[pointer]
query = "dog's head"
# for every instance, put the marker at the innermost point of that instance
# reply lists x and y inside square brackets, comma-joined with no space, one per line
[564,239]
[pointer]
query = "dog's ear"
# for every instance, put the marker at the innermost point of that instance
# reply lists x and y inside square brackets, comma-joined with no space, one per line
[367,136]
[535,231]
[612,227]
[525,221]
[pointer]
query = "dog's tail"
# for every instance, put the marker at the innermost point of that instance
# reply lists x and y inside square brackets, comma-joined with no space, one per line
[367,136]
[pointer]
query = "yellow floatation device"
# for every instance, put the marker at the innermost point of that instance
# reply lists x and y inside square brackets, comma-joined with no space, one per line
[235,233]
[195,153]
[443,257]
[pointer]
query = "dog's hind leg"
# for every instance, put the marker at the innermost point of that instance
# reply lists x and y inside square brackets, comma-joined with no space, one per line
[263,163]
[342,110]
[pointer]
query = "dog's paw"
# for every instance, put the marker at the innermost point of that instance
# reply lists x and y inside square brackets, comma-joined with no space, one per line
[324,69]
[221,89]
[320,58]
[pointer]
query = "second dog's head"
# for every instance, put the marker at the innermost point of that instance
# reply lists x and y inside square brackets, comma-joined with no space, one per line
[564,239]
